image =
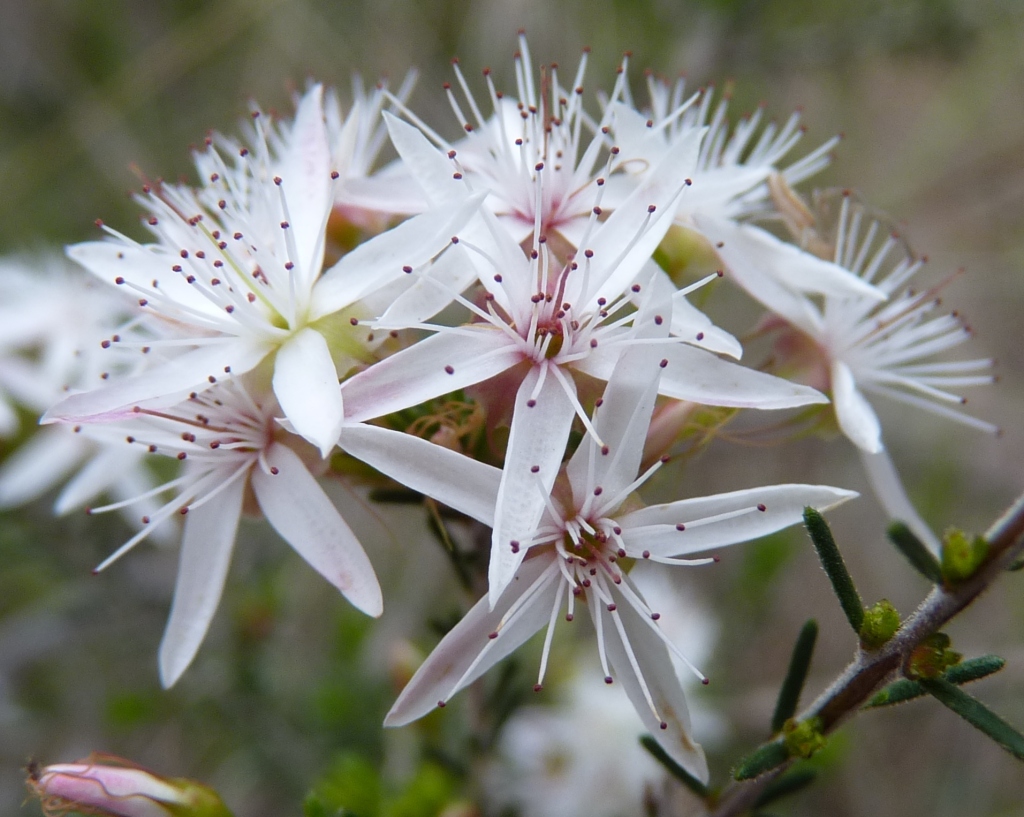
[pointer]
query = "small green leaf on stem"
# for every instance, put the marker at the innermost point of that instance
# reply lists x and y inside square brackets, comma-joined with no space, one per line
[915,551]
[835,568]
[977,714]
[962,555]
[799,663]
[904,690]
[763,759]
[804,738]
[931,658]
[1016,564]
[785,785]
[881,621]
[673,768]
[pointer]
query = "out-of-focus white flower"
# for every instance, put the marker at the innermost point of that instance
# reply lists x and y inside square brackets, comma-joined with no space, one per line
[237,269]
[864,347]
[589,521]
[107,785]
[581,755]
[232,448]
[53,326]
[580,758]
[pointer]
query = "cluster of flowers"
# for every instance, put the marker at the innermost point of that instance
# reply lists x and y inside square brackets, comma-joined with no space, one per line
[484,321]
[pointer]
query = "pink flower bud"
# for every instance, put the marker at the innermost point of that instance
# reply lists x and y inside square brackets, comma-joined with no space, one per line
[107,785]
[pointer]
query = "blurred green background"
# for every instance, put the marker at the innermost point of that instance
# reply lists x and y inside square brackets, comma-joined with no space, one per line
[291,686]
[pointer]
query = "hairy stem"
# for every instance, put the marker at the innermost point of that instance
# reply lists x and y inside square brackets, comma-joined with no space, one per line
[870,669]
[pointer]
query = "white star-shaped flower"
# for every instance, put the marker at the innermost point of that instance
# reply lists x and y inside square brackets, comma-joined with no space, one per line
[237,268]
[589,522]
[231,446]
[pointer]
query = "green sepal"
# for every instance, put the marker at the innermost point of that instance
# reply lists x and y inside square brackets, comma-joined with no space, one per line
[881,621]
[835,567]
[962,555]
[763,759]
[799,664]
[785,785]
[915,551]
[904,690]
[931,658]
[977,714]
[673,768]
[803,738]
[199,801]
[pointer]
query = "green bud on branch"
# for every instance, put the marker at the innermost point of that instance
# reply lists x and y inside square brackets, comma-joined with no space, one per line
[804,738]
[881,621]
[961,555]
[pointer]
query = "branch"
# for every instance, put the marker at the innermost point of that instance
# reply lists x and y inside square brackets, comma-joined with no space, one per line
[870,669]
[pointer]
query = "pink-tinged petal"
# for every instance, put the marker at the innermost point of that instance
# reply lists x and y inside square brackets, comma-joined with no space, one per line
[437,365]
[306,386]
[39,464]
[140,266]
[301,512]
[696,328]
[166,383]
[206,548]
[888,487]
[641,663]
[380,261]
[434,288]
[663,189]
[701,377]
[692,525]
[95,788]
[624,416]
[471,648]
[305,175]
[854,414]
[753,254]
[462,483]
[541,421]
[433,172]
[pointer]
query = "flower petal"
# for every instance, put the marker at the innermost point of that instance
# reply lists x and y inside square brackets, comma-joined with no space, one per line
[206,548]
[696,328]
[306,386]
[640,660]
[307,520]
[306,183]
[165,384]
[856,418]
[437,365]
[380,261]
[460,482]
[722,519]
[889,489]
[470,642]
[701,377]
[541,421]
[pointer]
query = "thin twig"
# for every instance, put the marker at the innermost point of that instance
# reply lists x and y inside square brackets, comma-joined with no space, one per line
[871,669]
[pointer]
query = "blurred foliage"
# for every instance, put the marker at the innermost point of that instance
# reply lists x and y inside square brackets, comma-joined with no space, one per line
[289,691]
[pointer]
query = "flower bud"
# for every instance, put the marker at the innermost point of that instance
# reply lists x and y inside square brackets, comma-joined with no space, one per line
[107,785]
[881,621]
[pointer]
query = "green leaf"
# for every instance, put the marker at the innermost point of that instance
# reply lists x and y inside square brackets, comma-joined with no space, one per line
[673,768]
[976,713]
[799,664]
[763,759]
[835,568]
[786,784]
[906,690]
[920,558]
